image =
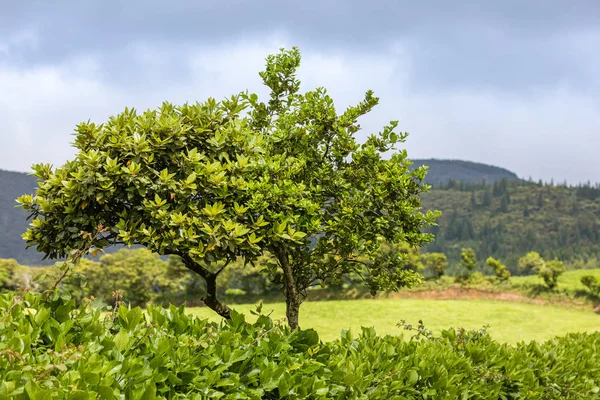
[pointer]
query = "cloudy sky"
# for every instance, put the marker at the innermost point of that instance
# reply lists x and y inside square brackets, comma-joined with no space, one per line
[511,83]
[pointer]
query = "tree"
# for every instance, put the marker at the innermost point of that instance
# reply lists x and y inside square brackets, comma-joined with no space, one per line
[468,259]
[592,283]
[500,270]
[531,261]
[210,185]
[139,275]
[182,181]
[411,255]
[504,202]
[436,263]
[540,199]
[354,198]
[549,271]
[487,197]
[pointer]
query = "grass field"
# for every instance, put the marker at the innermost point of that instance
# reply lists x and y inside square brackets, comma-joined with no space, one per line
[570,280]
[510,322]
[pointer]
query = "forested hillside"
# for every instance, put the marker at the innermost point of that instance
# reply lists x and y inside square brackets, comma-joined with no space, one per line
[508,219]
[13,220]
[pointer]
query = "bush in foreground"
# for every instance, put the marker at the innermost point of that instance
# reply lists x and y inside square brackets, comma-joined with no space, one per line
[52,349]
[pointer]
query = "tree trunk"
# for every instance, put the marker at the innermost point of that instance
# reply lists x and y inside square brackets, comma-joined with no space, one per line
[211,300]
[292,310]
[292,297]
[210,278]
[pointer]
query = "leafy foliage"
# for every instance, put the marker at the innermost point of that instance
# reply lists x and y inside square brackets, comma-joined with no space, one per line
[502,273]
[139,275]
[468,262]
[549,271]
[218,181]
[54,349]
[592,283]
[468,259]
[436,263]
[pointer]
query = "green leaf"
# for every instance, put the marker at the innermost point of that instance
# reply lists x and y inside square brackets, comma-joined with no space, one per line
[191,178]
[149,392]
[122,340]
[43,395]
[42,316]
[78,395]
[412,377]
[105,392]
[283,387]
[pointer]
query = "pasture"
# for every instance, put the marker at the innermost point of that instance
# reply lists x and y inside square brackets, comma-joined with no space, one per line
[570,280]
[510,322]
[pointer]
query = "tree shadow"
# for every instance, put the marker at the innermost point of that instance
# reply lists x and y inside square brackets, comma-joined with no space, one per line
[539,289]
[590,297]
[579,294]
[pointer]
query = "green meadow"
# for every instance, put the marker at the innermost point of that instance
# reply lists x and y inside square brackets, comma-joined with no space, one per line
[510,322]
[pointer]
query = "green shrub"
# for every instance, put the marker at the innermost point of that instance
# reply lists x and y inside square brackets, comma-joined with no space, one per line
[549,271]
[592,283]
[235,292]
[476,278]
[53,349]
[140,276]
[468,259]
[435,264]
[502,273]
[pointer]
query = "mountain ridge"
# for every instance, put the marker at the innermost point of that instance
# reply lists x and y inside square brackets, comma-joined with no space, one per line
[443,170]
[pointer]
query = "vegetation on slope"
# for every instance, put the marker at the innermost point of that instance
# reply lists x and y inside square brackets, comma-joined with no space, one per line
[508,219]
[13,221]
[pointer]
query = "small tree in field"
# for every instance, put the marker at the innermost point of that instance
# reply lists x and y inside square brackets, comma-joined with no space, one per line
[549,271]
[436,263]
[468,259]
[592,283]
[502,273]
[217,181]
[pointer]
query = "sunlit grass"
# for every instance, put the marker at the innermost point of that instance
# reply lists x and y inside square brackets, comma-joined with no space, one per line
[510,322]
[570,280]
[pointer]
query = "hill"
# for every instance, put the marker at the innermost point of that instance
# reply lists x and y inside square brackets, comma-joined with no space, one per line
[13,220]
[442,171]
[508,219]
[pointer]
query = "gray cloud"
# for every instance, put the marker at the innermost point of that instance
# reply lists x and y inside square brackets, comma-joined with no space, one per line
[509,83]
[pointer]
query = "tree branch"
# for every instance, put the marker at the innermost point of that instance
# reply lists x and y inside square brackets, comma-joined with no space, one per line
[223,267]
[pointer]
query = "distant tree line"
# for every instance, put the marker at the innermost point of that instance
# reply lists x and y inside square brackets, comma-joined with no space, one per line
[507,219]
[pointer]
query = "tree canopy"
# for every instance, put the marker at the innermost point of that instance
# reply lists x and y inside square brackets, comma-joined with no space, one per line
[215,181]
[549,271]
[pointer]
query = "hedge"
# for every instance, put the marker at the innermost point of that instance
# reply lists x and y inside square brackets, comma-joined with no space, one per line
[51,348]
